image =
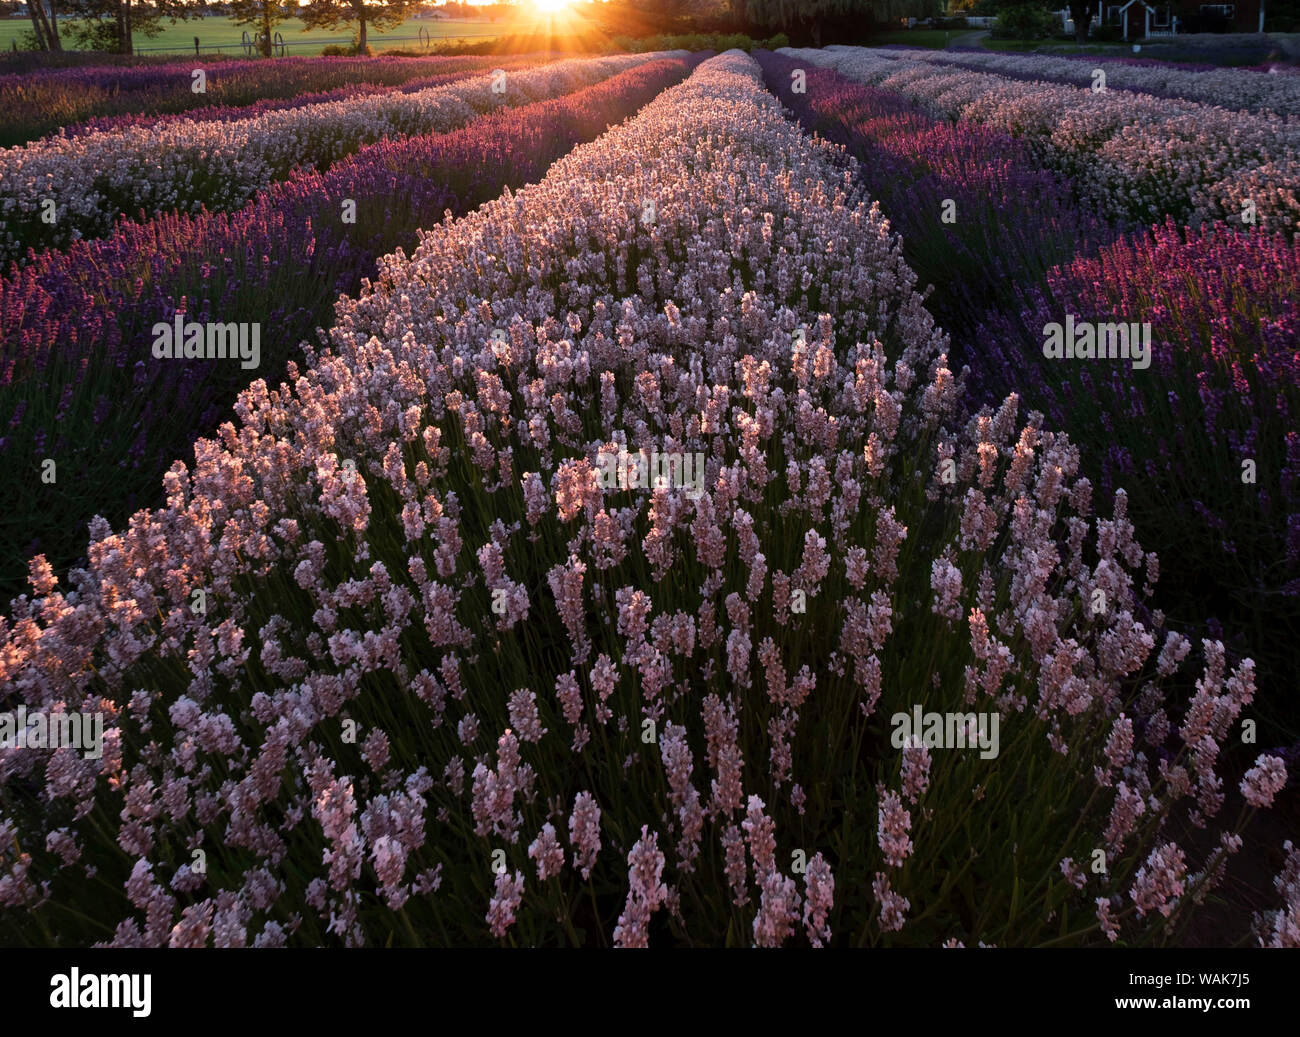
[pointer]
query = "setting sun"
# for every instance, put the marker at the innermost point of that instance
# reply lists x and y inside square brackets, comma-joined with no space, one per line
[551,6]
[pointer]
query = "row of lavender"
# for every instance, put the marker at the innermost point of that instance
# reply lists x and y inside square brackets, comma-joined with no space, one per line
[1133,157]
[233,113]
[33,104]
[450,683]
[1275,90]
[1204,440]
[81,385]
[63,189]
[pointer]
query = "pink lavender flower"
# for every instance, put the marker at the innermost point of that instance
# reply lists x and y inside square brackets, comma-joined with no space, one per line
[778,910]
[819,898]
[894,825]
[945,581]
[1160,881]
[524,716]
[915,770]
[720,731]
[546,851]
[761,836]
[737,869]
[584,832]
[1119,748]
[1264,781]
[1281,928]
[1128,807]
[569,695]
[893,907]
[1108,924]
[505,902]
[646,892]
[493,792]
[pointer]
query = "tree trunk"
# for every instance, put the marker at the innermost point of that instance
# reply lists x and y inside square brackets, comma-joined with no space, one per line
[47,35]
[130,42]
[266,28]
[54,27]
[361,38]
[1082,19]
[37,16]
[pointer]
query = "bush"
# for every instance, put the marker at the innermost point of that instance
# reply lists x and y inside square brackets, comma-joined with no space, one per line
[1022,22]
[777,42]
[336,50]
[1106,34]
[697,41]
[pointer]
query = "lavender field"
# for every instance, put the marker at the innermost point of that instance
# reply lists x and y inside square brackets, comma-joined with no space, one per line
[828,497]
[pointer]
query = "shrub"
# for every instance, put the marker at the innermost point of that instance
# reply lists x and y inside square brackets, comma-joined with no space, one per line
[1023,22]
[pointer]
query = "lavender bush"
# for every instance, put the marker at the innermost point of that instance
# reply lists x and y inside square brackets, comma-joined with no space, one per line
[1221,389]
[449,685]
[1240,89]
[1135,158]
[234,113]
[33,104]
[85,183]
[1205,441]
[80,383]
[1010,221]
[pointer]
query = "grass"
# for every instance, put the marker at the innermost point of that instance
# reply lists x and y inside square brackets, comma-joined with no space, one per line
[222,35]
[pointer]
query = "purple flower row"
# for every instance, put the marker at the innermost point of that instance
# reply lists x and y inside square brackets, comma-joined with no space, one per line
[79,382]
[1262,89]
[1223,388]
[232,113]
[1207,436]
[33,104]
[974,211]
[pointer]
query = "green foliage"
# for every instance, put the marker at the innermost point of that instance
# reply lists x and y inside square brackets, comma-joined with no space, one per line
[1023,22]
[113,25]
[263,16]
[1282,16]
[697,41]
[330,14]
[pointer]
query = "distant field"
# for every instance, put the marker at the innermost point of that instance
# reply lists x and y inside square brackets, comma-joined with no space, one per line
[222,35]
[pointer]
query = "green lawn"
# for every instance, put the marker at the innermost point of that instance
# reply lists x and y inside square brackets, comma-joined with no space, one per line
[223,33]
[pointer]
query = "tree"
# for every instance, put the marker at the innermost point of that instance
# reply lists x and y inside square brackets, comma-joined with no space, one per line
[329,14]
[45,25]
[1082,11]
[264,14]
[813,15]
[113,24]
